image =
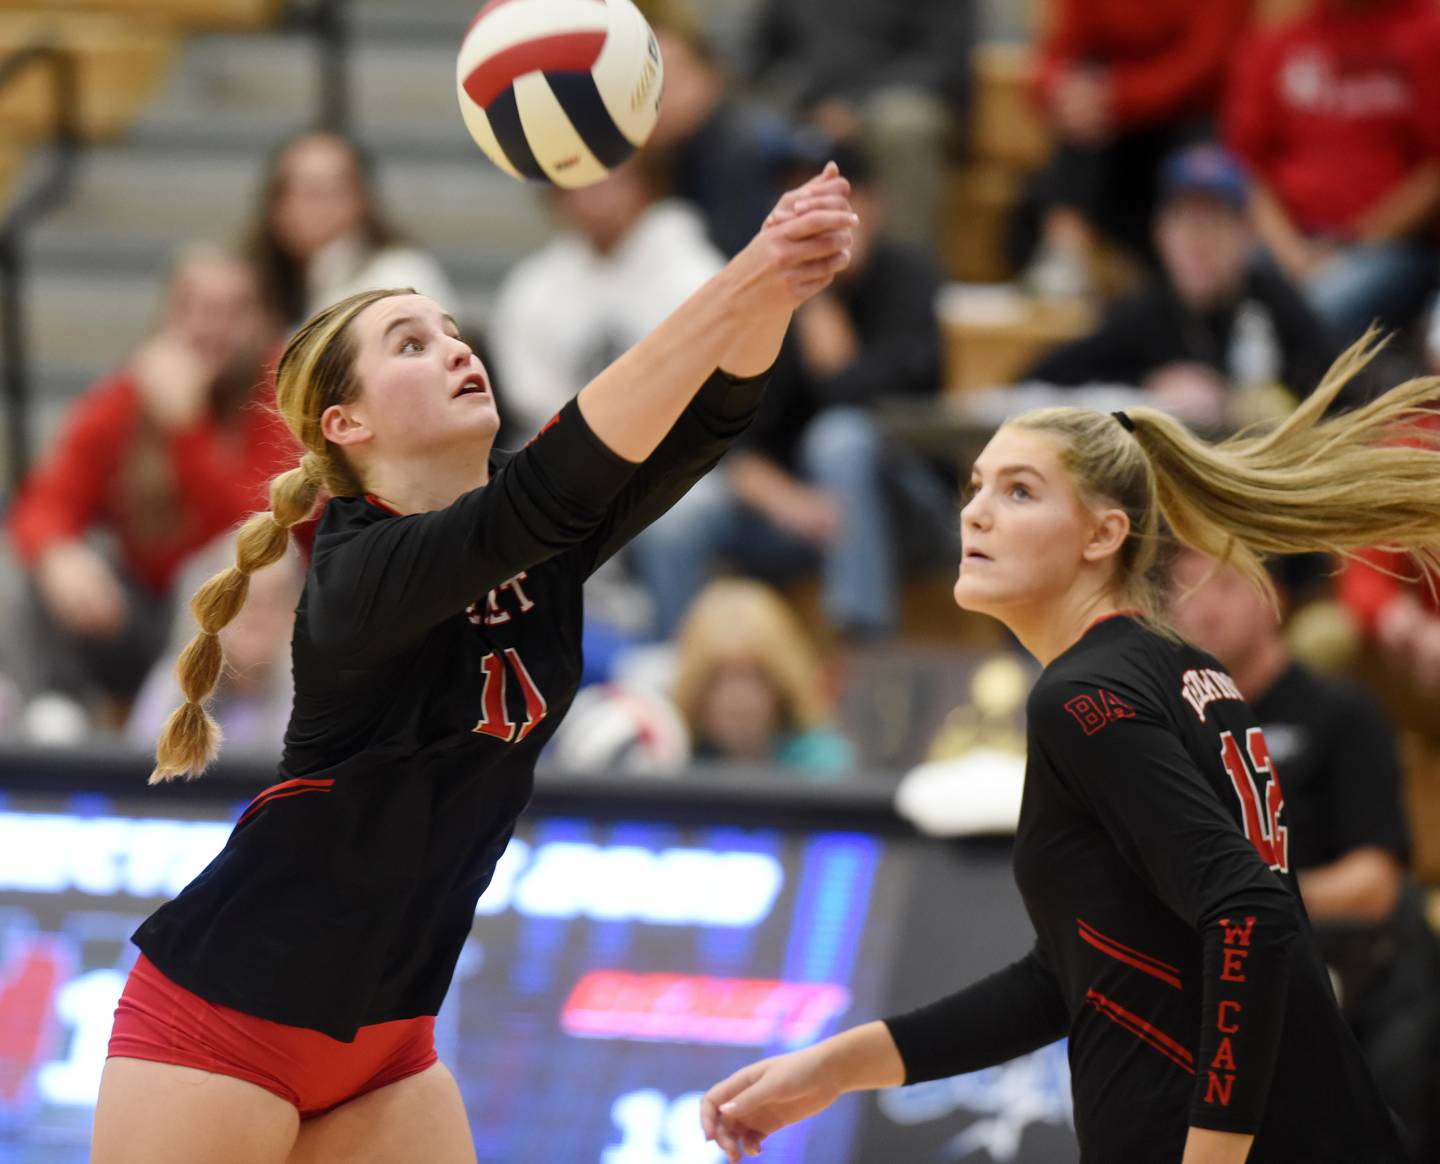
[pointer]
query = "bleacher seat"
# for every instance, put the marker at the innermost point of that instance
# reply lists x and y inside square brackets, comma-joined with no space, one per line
[993,333]
[198,14]
[12,159]
[121,61]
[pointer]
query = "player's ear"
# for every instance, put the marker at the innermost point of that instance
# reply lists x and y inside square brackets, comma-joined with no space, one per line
[342,425]
[1108,532]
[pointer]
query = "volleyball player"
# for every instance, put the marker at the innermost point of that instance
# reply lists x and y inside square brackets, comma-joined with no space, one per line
[284,1005]
[1152,848]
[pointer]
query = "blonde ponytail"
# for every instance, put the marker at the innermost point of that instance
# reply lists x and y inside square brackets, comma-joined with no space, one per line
[316,370]
[190,740]
[1337,484]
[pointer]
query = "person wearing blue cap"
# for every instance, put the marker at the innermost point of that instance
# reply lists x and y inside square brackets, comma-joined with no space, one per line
[1210,319]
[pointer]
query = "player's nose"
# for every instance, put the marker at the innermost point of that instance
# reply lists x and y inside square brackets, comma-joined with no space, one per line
[460,354]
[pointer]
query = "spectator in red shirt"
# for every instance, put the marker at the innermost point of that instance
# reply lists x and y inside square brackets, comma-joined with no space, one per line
[161,456]
[1123,84]
[1338,115]
[1397,612]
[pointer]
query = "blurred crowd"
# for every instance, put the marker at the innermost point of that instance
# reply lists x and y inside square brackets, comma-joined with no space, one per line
[1236,191]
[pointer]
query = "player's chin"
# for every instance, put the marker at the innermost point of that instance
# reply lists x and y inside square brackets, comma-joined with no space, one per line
[979,596]
[481,417]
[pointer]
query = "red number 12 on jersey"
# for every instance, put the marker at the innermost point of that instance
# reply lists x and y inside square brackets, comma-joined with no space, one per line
[496,719]
[1263,828]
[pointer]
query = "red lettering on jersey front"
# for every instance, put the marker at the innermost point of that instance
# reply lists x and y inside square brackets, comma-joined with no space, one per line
[495,614]
[535,705]
[1219,1089]
[1224,1055]
[1200,687]
[1094,712]
[495,718]
[1261,820]
[1234,1027]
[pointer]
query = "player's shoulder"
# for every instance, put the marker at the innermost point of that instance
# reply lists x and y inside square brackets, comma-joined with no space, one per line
[1119,662]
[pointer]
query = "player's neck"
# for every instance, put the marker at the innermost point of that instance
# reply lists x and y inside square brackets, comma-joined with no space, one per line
[433,483]
[1048,631]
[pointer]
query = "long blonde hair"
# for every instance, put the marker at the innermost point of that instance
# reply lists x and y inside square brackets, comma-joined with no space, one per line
[736,619]
[317,370]
[1337,484]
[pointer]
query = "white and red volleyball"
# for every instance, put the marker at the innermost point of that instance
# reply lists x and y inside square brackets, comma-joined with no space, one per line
[559,91]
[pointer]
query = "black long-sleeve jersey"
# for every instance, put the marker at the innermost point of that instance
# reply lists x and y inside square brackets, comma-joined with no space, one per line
[1152,855]
[434,655]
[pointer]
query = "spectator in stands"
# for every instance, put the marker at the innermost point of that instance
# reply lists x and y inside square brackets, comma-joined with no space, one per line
[813,483]
[1400,616]
[625,260]
[896,75]
[719,155]
[161,456]
[1209,320]
[748,683]
[1348,839]
[1338,116]
[252,699]
[319,233]
[1122,85]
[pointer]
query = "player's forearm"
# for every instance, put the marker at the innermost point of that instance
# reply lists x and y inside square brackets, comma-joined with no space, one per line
[862,1059]
[633,403]
[1404,210]
[1362,886]
[1206,1146]
[1276,229]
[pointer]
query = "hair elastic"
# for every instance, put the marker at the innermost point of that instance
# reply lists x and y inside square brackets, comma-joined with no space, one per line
[1125,422]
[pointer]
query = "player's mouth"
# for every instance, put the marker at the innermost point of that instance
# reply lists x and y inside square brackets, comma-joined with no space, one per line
[977,556]
[474,385]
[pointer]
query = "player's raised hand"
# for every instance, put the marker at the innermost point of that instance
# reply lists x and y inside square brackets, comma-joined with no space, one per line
[739,1112]
[803,245]
[827,190]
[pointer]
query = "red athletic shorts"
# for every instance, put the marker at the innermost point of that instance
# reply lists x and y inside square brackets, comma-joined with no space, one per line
[165,1023]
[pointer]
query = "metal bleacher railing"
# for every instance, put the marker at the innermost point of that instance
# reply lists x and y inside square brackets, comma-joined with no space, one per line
[44,194]
[322,20]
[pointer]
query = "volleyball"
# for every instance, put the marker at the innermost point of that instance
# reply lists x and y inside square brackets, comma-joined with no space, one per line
[559,91]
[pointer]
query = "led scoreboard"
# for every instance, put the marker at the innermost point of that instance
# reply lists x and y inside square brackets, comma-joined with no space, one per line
[620,963]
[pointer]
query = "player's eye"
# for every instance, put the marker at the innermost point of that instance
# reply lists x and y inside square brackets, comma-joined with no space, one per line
[411,343]
[968,491]
[1020,492]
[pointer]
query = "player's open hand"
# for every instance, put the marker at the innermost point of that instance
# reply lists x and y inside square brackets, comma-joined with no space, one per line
[741,1111]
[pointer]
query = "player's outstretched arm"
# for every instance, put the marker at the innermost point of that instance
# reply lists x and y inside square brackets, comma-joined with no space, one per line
[739,1112]
[736,321]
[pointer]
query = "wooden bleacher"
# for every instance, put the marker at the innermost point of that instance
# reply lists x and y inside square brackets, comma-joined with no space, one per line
[12,161]
[123,51]
[119,63]
[236,15]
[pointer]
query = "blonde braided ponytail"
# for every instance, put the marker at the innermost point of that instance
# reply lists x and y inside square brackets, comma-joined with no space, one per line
[190,740]
[315,372]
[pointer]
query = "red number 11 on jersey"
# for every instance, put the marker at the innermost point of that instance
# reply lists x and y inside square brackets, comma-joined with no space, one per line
[496,720]
[1263,828]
